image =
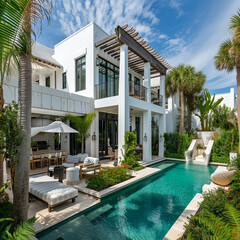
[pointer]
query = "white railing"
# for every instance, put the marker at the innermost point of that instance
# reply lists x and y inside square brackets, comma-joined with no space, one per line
[46,98]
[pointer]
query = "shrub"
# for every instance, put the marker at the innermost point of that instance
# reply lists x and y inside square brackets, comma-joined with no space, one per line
[176,145]
[219,214]
[108,177]
[222,146]
[129,156]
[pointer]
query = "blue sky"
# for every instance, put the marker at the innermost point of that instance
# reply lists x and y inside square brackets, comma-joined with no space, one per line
[182,31]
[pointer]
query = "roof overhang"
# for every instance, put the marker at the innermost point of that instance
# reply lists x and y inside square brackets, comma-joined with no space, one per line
[139,52]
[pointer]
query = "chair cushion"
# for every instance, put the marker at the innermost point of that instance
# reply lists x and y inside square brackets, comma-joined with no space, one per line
[222,178]
[68,165]
[50,190]
[90,161]
[89,168]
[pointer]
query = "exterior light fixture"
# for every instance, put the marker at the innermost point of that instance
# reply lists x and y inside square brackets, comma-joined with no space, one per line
[145,137]
[160,137]
[94,137]
[97,61]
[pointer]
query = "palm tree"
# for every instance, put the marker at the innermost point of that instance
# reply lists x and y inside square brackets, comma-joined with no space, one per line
[33,14]
[177,81]
[196,81]
[82,124]
[228,57]
[9,26]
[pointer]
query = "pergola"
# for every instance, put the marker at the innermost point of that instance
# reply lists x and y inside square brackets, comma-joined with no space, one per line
[139,51]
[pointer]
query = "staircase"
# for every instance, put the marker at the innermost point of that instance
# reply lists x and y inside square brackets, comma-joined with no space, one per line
[198,153]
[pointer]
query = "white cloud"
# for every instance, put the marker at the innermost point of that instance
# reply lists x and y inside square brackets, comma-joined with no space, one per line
[176,4]
[163,36]
[199,50]
[73,14]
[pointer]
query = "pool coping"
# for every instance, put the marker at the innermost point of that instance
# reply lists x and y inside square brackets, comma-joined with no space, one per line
[178,229]
[137,176]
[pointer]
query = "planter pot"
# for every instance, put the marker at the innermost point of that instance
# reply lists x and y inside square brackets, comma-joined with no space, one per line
[205,136]
[232,156]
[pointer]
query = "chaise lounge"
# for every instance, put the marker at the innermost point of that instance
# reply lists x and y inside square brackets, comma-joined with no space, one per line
[51,190]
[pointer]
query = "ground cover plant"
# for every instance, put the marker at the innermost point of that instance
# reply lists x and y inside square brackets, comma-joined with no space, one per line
[219,214]
[108,177]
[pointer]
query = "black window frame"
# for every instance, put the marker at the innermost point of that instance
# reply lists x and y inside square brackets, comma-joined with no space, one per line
[79,86]
[108,88]
[48,81]
[64,80]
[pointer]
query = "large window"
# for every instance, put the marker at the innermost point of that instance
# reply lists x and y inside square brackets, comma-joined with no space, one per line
[47,81]
[108,79]
[81,74]
[64,80]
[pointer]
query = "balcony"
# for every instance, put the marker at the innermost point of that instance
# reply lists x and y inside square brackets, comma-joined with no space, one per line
[107,89]
[156,98]
[137,91]
[110,89]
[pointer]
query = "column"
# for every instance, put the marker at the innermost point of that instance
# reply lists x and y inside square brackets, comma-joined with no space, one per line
[94,143]
[147,136]
[161,133]
[147,80]
[123,107]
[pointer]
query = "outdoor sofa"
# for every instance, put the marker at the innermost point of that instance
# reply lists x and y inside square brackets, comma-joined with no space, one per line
[51,190]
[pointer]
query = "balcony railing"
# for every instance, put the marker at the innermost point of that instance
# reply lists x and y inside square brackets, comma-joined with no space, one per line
[137,91]
[107,89]
[156,98]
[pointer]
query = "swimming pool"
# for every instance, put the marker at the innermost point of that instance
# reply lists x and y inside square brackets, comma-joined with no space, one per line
[146,210]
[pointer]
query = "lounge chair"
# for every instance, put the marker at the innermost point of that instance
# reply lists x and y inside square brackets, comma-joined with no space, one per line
[51,190]
[90,164]
[73,160]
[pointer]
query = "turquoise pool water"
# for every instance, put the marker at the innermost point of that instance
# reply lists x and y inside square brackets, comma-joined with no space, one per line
[146,210]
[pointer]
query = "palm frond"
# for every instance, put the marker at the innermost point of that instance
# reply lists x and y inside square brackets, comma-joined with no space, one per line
[234,25]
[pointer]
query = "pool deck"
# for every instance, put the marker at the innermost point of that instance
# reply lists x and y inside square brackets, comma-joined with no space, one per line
[84,201]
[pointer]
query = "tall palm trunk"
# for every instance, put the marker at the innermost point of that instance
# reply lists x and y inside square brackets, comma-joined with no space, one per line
[238,102]
[181,128]
[1,155]
[22,167]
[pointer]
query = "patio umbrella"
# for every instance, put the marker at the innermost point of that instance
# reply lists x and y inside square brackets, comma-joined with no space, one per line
[54,127]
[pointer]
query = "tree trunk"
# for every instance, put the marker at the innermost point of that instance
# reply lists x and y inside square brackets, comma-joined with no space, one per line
[181,127]
[189,118]
[22,167]
[238,103]
[2,155]
[82,144]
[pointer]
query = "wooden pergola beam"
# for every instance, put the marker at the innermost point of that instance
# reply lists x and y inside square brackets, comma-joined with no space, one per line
[139,50]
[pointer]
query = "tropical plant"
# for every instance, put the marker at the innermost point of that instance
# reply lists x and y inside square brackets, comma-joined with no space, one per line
[24,230]
[10,132]
[11,13]
[188,82]
[206,109]
[226,227]
[228,57]
[128,150]
[82,124]
[226,142]
[177,81]
[221,117]
[18,41]
[196,81]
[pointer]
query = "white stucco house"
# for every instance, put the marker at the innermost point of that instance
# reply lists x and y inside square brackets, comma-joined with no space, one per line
[118,76]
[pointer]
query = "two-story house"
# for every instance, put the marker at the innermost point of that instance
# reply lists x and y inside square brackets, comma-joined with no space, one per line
[120,77]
